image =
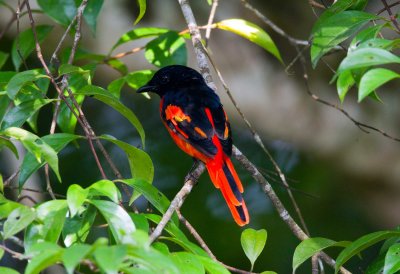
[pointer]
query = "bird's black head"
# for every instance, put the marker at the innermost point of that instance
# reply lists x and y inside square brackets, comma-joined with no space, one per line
[171,78]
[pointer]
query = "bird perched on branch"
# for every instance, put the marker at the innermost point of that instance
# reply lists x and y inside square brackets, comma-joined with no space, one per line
[193,115]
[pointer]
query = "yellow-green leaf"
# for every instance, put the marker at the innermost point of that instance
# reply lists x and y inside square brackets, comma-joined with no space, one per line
[251,32]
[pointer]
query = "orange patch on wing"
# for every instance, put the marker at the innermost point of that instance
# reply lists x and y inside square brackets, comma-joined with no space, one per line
[201,132]
[175,114]
[226,132]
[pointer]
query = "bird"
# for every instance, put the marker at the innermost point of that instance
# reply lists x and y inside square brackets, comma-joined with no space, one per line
[194,117]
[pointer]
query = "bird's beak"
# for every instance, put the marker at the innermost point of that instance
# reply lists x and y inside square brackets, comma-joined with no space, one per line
[147,88]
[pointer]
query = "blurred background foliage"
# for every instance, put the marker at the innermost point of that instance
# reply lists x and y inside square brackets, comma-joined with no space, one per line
[345,181]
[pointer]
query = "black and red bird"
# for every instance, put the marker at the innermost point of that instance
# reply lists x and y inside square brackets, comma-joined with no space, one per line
[193,115]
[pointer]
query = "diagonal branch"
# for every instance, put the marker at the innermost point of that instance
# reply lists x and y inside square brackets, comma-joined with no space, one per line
[190,181]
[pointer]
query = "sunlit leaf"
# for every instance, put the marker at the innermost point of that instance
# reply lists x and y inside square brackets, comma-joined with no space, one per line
[110,258]
[140,162]
[77,228]
[212,266]
[115,86]
[139,33]
[76,196]
[392,260]
[364,35]
[167,49]
[18,219]
[373,79]
[344,82]
[6,270]
[46,255]
[142,10]
[7,206]
[73,255]
[48,225]
[105,188]
[187,262]
[251,32]
[24,44]
[367,57]
[253,242]
[120,223]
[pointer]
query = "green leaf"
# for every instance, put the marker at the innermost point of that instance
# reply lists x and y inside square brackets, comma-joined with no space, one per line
[138,34]
[187,262]
[7,143]
[253,242]
[140,222]
[142,10]
[4,103]
[60,11]
[139,161]
[73,255]
[151,193]
[105,97]
[105,188]
[373,79]
[77,228]
[18,219]
[307,248]
[91,13]
[46,256]
[76,196]
[68,69]
[152,260]
[21,79]
[139,78]
[120,223]
[380,43]
[212,266]
[110,258]
[344,83]
[18,115]
[6,270]
[7,206]
[362,243]
[49,223]
[1,188]
[115,87]
[173,230]
[3,58]
[392,260]
[329,32]
[167,49]
[364,35]
[251,32]
[56,141]
[118,65]
[367,57]
[25,43]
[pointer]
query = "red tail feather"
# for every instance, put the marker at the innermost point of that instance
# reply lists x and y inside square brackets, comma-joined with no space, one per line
[225,178]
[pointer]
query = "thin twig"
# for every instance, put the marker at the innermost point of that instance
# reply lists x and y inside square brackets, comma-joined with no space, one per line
[178,200]
[14,254]
[12,19]
[389,5]
[9,179]
[210,21]
[391,16]
[80,117]
[64,36]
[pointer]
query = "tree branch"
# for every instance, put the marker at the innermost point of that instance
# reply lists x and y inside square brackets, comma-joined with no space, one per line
[190,181]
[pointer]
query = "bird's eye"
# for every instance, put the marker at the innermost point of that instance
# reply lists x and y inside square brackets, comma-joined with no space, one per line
[164,79]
